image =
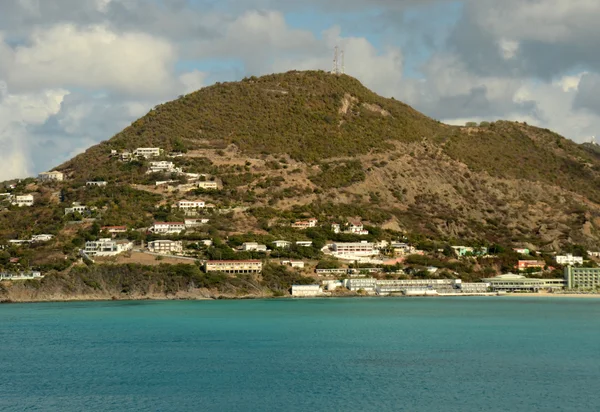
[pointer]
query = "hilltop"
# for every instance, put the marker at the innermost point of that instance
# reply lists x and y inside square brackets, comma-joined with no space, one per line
[266,152]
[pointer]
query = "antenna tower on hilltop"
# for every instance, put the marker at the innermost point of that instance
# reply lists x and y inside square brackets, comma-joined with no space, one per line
[337,55]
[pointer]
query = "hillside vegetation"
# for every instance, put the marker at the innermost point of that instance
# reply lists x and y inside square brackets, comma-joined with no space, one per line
[311,144]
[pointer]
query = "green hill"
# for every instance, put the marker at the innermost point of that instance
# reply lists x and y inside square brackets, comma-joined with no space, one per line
[299,144]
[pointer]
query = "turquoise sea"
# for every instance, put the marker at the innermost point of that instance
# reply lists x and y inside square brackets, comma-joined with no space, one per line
[380,354]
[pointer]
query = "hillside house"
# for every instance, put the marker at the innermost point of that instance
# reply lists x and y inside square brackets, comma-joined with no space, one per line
[147,152]
[168,227]
[42,238]
[233,266]
[353,226]
[126,156]
[527,264]
[304,243]
[305,224]
[192,223]
[296,264]
[98,183]
[569,259]
[253,247]
[353,249]
[107,247]
[282,244]
[165,246]
[23,200]
[21,275]
[593,254]
[207,185]
[521,250]
[191,204]
[51,176]
[461,251]
[76,207]
[162,166]
[114,229]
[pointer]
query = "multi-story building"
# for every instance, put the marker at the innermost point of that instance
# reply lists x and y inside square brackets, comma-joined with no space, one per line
[353,248]
[99,183]
[282,244]
[163,166]
[107,247]
[165,246]
[519,283]
[305,224]
[168,227]
[51,176]
[582,278]
[526,264]
[569,259]
[253,247]
[76,207]
[147,152]
[233,266]
[23,200]
[191,204]
[366,284]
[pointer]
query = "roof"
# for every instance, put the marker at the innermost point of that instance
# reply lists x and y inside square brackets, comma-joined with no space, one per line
[233,261]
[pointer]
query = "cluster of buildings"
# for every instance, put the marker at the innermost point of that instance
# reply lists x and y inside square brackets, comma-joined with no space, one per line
[353,226]
[19,200]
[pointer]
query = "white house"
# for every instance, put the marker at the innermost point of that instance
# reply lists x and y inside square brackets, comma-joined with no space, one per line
[191,204]
[569,259]
[282,244]
[304,243]
[165,246]
[163,166]
[147,152]
[99,183]
[207,185]
[76,208]
[306,290]
[168,227]
[42,238]
[353,249]
[107,247]
[305,224]
[191,223]
[24,200]
[298,264]
[352,226]
[253,247]
[51,176]
[114,229]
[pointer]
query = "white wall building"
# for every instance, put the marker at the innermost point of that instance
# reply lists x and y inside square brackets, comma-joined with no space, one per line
[162,166]
[207,185]
[191,204]
[253,247]
[353,249]
[42,238]
[147,152]
[76,208]
[297,264]
[107,247]
[99,183]
[23,200]
[304,243]
[282,244]
[51,176]
[305,224]
[569,259]
[165,246]
[306,290]
[168,227]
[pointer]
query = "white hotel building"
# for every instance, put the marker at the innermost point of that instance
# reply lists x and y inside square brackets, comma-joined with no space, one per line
[191,204]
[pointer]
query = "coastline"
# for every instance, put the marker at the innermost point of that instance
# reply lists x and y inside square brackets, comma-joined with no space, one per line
[203,296]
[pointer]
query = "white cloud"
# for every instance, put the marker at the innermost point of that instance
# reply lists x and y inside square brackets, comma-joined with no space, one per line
[92,58]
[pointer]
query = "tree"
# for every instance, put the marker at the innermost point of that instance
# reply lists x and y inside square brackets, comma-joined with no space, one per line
[471,124]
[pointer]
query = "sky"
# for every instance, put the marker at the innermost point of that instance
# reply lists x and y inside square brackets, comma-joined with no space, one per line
[75,72]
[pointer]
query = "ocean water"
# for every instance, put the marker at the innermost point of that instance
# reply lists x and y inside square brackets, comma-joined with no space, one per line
[386,354]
